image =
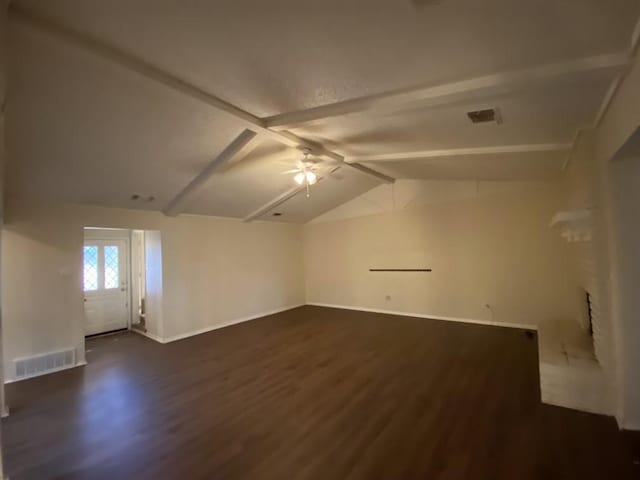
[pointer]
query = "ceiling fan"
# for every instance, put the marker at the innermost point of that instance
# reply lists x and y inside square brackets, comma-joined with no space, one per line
[305,171]
[310,170]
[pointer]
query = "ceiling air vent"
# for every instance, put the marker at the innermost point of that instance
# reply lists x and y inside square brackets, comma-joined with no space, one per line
[485,116]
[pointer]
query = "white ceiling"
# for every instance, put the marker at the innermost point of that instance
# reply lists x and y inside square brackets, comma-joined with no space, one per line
[515,166]
[83,129]
[280,55]
[532,117]
[422,193]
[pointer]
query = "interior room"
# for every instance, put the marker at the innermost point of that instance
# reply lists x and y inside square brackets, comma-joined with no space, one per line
[320,240]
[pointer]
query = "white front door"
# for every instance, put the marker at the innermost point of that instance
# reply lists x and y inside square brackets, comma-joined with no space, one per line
[106,286]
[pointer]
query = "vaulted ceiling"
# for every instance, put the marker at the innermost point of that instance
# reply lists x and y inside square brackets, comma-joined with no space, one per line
[203,105]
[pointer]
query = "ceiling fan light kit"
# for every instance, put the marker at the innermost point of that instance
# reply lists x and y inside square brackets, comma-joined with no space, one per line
[305,174]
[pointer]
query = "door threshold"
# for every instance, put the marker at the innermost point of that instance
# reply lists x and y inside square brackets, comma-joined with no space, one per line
[104,334]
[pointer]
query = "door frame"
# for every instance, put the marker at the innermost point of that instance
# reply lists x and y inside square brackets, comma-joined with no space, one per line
[97,233]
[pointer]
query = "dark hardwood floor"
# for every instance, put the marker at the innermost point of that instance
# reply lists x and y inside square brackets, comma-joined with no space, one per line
[312,393]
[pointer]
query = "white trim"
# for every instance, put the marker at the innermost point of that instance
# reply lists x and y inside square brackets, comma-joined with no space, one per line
[218,325]
[628,425]
[231,322]
[61,369]
[524,326]
[607,99]
[574,144]
[151,336]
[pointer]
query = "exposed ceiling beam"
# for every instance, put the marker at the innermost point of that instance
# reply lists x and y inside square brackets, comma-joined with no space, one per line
[610,94]
[279,200]
[235,151]
[456,152]
[371,172]
[635,38]
[147,70]
[478,88]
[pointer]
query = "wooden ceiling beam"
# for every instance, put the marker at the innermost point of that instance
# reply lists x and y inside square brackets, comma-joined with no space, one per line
[457,152]
[279,200]
[474,89]
[241,146]
[144,68]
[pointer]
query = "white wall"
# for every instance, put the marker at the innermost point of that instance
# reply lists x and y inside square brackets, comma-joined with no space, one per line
[620,183]
[214,271]
[3,74]
[154,320]
[138,268]
[487,243]
[582,191]
[604,175]
[625,176]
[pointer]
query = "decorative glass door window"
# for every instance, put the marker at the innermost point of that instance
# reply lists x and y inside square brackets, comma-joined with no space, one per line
[101,267]
[111,264]
[90,274]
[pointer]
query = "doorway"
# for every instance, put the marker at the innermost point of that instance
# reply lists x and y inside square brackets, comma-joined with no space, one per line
[122,281]
[106,280]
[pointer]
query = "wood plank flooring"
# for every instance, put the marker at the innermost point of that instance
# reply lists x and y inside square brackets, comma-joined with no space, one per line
[312,393]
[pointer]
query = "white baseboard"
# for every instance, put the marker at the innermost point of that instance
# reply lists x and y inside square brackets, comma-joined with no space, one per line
[630,426]
[624,424]
[217,326]
[151,336]
[524,326]
[230,323]
[48,372]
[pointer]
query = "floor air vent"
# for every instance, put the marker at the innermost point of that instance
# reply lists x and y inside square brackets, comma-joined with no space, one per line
[46,363]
